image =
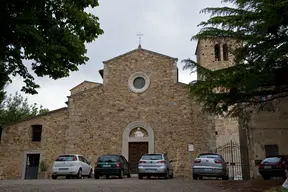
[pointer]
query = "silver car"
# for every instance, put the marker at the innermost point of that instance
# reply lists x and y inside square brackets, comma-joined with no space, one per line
[156,164]
[210,165]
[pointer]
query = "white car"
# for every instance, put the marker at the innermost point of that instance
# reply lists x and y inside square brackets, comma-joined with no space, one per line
[72,165]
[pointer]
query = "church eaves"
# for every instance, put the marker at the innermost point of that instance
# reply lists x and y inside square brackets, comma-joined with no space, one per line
[140,49]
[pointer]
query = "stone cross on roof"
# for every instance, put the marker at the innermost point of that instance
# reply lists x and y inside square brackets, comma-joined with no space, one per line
[139,35]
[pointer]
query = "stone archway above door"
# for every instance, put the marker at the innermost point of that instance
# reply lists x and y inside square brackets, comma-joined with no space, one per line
[137,131]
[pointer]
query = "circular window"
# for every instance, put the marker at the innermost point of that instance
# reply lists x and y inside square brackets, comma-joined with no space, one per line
[138,82]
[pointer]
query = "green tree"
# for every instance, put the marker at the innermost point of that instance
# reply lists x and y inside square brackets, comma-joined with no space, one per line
[261,28]
[49,33]
[16,108]
[3,82]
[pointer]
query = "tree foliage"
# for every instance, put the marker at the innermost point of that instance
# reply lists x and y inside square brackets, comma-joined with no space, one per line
[50,33]
[3,82]
[16,108]
[260,29]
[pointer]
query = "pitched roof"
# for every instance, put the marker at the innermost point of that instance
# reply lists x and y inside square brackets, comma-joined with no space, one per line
[139,49]
[85,82]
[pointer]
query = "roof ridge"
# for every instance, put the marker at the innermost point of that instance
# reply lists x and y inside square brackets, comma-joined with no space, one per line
[138,49]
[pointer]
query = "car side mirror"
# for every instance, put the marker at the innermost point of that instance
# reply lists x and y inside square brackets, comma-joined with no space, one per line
[89,162]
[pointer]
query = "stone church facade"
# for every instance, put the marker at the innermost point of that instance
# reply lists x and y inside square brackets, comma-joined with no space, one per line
[140,108]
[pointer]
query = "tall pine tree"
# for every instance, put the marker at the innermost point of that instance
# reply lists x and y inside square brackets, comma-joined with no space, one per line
[261,27]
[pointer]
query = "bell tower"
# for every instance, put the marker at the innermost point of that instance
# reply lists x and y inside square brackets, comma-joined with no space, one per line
[215,53]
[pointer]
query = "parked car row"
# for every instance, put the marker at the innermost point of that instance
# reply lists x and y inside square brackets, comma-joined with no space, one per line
[158,164]
[77,166]
[214,165]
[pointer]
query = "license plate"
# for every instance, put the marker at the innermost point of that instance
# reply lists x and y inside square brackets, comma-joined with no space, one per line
[151,169]
[208,170]
[106,165]
[267,167]
[63,169]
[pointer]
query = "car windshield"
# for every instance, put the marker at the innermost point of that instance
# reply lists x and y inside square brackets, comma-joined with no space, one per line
[108,158]
[272,159]
[152,157]
[212,156]
[66,158]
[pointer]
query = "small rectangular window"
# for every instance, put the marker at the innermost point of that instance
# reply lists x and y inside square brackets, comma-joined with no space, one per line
[36,132]
[225,52]
[217,52]
[266,103]
[271,150]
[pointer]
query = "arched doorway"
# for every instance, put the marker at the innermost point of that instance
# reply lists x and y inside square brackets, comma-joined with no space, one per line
[138,139]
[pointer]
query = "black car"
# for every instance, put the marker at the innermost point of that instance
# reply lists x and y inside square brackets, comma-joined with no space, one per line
[112,165]
[274,166]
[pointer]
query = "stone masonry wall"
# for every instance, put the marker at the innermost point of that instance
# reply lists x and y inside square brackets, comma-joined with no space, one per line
[98,116]
[17,139]
[227,130]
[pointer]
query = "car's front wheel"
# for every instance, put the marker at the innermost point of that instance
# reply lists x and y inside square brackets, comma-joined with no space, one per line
[129,174]
[79,174]
[166,174]
[121,174]
[90,174]
[140,176]
[54,177]
[172,175]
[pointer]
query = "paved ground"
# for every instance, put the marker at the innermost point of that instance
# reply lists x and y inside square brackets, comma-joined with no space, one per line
[135,185]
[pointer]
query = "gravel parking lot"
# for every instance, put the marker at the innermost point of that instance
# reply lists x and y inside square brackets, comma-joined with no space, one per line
[135,185]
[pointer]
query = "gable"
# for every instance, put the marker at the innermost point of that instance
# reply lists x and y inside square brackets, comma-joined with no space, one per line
[83,86]
[140,50]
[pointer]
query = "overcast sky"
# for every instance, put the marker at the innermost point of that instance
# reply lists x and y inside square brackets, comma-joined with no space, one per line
[167,26]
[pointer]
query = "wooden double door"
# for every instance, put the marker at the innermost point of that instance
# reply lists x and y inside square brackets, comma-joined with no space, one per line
[136,150]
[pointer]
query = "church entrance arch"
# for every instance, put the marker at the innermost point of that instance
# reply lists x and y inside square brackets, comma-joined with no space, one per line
[138,139]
